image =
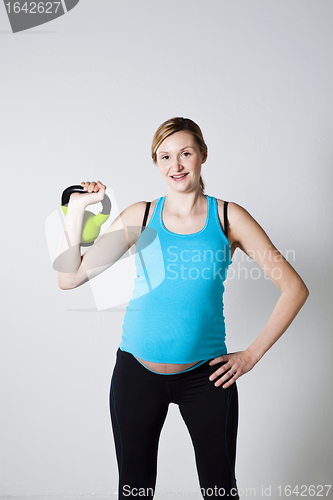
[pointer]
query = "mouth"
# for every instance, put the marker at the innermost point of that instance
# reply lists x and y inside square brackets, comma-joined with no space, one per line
[179,177]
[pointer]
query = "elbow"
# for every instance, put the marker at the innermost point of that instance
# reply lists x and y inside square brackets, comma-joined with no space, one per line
[298,292]
[306,292]
[70,282]
[304,289]
[63,285]
[303,293]
[66,287]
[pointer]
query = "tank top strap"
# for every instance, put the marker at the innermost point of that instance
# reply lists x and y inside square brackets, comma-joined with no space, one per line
[214,225]
[156,215]
[212,213]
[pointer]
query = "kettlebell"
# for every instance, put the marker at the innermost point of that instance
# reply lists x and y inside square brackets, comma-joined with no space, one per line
[91,225]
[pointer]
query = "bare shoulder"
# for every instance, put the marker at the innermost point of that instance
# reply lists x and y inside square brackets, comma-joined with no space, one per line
[247,233]
[232,207]
[130,220]
[239,220]
[237,213]
[133,214]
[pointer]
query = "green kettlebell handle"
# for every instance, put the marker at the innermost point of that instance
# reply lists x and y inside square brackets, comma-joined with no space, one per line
[92,223]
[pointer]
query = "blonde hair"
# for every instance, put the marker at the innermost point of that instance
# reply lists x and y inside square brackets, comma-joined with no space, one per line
[172,126]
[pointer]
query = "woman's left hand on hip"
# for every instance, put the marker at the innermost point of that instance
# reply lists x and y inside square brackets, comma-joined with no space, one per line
[234,366]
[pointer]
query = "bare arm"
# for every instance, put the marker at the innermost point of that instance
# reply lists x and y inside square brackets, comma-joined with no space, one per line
[248,235]
[74,269]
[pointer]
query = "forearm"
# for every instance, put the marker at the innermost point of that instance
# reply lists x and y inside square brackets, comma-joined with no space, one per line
[286,309]
[69,252]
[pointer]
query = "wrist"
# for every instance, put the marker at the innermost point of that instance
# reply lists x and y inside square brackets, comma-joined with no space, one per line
[78,203]
[254,354]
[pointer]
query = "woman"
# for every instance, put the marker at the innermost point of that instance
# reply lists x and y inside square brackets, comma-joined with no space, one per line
[173,344]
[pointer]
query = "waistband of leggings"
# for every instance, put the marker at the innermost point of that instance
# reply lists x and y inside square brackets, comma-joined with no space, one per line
[175,373]
[200,366]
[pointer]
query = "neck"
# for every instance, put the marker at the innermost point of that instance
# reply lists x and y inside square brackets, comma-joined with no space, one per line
[185,203]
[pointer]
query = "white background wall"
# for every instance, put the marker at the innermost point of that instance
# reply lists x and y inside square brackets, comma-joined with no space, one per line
[81,98]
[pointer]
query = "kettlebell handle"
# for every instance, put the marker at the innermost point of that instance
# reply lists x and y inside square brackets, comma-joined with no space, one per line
[106,203]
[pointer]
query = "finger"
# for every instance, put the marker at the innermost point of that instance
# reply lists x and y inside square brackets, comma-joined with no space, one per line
[227,371]
[219,359]
[91,187]
[225,367]
[230,382]
[101,185]
[226,381]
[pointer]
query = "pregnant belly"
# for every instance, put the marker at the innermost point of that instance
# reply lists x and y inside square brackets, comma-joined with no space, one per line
[167,367]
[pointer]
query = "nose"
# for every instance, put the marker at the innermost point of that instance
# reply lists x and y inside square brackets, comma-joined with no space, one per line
[177,164]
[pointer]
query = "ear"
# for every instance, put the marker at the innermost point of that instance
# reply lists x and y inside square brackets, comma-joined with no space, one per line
[204,157]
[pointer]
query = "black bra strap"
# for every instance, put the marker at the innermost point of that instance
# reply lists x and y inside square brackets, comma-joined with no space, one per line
[225,218]
[145,216]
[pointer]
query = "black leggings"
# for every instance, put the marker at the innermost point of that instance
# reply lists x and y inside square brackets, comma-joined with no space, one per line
[139,400]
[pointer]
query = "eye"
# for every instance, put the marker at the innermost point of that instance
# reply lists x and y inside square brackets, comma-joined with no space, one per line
[186,154]
[165,157]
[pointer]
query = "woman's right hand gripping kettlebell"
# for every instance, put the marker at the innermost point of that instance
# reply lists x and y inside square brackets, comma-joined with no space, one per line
[95,192]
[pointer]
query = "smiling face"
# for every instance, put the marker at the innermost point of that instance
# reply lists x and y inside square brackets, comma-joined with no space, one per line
[179,159]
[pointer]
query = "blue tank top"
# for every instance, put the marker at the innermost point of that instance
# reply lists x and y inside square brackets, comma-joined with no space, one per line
[175,314]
